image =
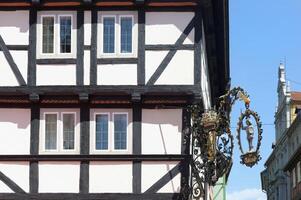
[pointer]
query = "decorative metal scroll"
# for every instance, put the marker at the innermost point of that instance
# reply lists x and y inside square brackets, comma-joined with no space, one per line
[213,142]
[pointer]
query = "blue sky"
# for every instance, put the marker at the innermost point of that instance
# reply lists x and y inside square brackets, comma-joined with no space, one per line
[262,33]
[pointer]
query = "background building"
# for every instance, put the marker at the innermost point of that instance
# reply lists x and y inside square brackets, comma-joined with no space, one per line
[93,94]
[276,182]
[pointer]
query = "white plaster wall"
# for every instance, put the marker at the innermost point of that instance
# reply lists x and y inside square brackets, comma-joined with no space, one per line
[151,172]
[59,177]
[166,27]
[14,131]
[14,27]
[117,74]
[87,27]
[86,67]
[17,172]
[110,177]
[7,77]
[163,128]
[56,75]
[180,70]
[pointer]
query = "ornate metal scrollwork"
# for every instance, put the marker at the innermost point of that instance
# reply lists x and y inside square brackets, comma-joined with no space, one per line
[213,142]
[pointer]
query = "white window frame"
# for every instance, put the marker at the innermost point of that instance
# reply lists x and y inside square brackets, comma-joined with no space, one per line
[111,146]
[44,132]
[117,16]
[41,36]
[102,34]
[56,46]
[60,137]
[132,17]
[59,32]
[93,136]
[62,132]
[127,132]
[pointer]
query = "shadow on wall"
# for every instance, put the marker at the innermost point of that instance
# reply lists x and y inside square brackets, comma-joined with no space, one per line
[16,117]
[174,20]
[13,20]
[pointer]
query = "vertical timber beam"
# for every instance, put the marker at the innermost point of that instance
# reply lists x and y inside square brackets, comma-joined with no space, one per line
[93,51]
[141,47]
[185,147]
[34,148]
[80,48]
[32,65]
[197,46]
[137,128]
[84,146]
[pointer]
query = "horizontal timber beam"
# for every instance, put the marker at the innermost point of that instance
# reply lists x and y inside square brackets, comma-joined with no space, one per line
[98,157]
[91,196]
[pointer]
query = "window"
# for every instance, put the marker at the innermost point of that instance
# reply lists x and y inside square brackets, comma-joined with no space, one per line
[58,131]
[118,34]
[56,34]
[110,131]
[294,177]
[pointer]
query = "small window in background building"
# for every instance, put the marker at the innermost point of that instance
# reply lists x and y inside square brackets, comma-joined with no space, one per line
[126,24]
[120,131]
[102,129]
[68,131]
[50,131]
[48,35]
[65,34]
[108,35]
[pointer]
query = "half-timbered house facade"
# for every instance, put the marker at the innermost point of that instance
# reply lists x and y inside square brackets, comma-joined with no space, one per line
[94,94]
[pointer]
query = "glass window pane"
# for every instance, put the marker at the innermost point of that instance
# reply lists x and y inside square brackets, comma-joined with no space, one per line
[68,131]
[109,35]
[126,34]
[50,131]
[47,34]
[120,131]
[65,34]
[102,122]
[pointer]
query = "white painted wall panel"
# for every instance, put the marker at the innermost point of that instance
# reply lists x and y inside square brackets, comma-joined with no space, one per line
[86,67]
[7,77]
[180,70]
[163,128]
[87,27]
[14,27]
[110,177]
[59,177]
[166,27]
[21,59]
[14,131]
[151,172]
[56,75]
[17,172]
[117,74]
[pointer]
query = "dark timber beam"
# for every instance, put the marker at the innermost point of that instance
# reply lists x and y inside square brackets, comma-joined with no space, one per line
[171,53]
[165,179]
[141,47]
[11,62]
[80,48]
[93,51]
[91,196]
[10,183]
[32,68]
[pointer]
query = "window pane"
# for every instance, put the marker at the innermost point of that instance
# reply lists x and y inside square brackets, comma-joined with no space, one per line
[68,131]
[109,35]
[120,131]
[48,34]
[102,132]
[50,131]
[126,34]
[65,34]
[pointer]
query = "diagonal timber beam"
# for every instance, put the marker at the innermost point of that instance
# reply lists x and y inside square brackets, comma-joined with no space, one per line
[171,53]
[11,62]
[11,184]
